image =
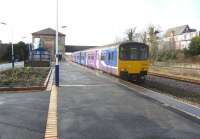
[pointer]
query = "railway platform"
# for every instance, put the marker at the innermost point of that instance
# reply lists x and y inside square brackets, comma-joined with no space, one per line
[96,106]
[92,105]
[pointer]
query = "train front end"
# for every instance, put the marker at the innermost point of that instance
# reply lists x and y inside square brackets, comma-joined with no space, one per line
[133,61]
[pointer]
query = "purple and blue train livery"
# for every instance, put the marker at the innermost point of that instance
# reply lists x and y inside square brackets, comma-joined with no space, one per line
[127,59]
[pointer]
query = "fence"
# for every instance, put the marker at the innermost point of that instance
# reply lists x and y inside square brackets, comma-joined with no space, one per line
[39,57]
[183,69]
[178,65]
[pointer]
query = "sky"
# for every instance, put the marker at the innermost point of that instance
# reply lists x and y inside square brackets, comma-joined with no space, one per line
[94,22]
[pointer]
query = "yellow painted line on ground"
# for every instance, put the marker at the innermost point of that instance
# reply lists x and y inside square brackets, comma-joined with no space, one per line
[52,125]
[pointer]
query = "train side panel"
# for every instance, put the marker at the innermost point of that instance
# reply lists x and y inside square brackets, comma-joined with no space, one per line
[83,58]
[91,58]
[108,60]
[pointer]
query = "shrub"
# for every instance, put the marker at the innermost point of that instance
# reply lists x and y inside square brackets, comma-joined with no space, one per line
[194,48]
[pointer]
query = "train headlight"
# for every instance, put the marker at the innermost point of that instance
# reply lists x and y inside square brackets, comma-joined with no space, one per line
[123,69]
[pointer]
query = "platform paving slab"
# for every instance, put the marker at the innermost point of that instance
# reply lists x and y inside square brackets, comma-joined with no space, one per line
[23,114]
[93,107]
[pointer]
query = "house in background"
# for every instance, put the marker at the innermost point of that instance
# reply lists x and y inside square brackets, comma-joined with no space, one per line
[180,36]
[47,37]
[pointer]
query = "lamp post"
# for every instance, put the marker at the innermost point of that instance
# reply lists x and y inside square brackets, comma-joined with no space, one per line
[64,27]
[13,60]
[57,64]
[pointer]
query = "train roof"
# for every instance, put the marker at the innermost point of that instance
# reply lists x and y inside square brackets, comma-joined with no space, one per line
[112,45]
[122,43]
[117,44]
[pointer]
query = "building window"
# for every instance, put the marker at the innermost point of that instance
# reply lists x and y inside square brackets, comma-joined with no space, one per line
[102,56]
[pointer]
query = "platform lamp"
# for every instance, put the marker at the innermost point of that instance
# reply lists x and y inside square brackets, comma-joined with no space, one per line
[57,64]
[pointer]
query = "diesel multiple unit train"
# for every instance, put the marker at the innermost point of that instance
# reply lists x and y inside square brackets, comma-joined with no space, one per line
[128,60]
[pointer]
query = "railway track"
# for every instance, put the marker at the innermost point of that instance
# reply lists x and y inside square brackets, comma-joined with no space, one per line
[175,77]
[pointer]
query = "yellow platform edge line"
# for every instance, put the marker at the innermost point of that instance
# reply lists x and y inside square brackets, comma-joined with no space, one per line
[51,126]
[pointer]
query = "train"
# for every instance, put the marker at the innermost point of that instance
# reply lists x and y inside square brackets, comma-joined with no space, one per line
[127,60]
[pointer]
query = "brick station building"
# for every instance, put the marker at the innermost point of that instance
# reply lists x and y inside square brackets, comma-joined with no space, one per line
[47,37]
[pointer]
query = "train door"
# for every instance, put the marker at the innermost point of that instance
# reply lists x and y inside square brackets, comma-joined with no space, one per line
[108,61]
[97,59]
[79,57]
[111,61]
[86,58]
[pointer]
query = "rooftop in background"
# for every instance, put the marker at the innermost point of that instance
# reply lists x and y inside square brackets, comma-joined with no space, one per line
[47,31]
[179,30]
[74,48]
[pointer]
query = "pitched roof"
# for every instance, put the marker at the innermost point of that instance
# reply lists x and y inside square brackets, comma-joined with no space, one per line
[47,31]
[179,30]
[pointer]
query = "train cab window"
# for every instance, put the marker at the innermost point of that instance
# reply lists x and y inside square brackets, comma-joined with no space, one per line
[143,53]
[129,53]
[133,52]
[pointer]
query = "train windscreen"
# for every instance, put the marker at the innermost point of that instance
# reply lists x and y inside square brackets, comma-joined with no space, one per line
[133,52]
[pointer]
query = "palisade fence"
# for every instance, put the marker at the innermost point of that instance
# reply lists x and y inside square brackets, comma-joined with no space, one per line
[177,65]
[39,56]
[184,69]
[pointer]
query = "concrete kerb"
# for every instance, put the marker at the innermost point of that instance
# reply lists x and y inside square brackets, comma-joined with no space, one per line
[143,91]
[31,88]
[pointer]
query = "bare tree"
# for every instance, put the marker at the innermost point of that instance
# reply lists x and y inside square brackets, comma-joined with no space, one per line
[131,34]
[143,37]
[153,42]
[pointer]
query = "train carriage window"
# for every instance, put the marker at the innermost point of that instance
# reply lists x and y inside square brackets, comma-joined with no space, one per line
[109,55]
[102,56]
[112,56]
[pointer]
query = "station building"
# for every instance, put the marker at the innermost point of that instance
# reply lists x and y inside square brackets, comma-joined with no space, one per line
[47,38]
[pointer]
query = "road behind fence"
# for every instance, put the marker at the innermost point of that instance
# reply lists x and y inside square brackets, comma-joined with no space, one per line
[9,65]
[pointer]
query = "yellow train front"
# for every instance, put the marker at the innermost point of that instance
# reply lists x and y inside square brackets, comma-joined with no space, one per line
[133,61]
